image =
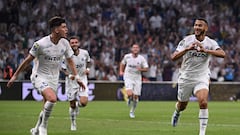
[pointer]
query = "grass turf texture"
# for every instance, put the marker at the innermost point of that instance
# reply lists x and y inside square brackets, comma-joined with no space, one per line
[112,118]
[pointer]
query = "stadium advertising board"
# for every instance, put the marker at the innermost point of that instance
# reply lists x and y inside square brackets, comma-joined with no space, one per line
[26,91]
[97,91]
[115,91]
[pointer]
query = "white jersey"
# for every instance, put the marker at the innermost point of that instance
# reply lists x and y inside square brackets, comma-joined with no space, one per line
[80,61]
[131,64]
[48,56]
[195,64]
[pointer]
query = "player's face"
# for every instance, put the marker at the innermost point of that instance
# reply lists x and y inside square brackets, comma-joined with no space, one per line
[62,30]
[200,27]
[74,43]
[135,49]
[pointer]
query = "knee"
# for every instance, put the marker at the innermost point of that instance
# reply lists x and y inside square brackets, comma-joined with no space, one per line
[135,97]
[73,105]
[49,95]
[52,99]
[203,104]
[84,104]
[129,93]
[182,107]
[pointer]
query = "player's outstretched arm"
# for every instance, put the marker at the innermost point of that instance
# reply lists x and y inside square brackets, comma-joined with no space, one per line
[22,66]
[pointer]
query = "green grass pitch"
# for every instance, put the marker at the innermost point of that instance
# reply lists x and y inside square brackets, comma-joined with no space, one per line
[112,118]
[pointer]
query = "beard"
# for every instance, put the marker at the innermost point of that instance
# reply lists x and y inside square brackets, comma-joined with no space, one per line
[201,33]
[75,48]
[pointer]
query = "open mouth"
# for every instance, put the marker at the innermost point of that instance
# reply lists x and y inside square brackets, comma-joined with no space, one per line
[197,31]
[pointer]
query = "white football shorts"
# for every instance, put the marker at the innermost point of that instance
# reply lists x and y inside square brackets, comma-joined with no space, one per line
[41,83]
[73,93]
[134,85]
[187,88]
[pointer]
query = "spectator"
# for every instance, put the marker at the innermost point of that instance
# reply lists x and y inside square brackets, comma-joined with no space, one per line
[152,71]
[111,76]
[167,71]
[7,72]
[1,74]
[229,72]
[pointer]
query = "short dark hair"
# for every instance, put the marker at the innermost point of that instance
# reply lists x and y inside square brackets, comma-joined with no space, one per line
[202,19]
[74,37]
[135,44]
[55,21]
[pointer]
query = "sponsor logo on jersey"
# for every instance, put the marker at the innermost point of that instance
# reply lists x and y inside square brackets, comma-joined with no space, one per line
[132,66]
[182,43]
[52,58]
[197,54]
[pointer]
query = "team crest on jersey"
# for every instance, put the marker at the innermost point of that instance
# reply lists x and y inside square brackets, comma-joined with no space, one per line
[182,43]
[62,51]
[35,46]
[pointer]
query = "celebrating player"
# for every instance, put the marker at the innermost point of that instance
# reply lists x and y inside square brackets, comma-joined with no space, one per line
[196,51]
[47,54]
[132,66]
[81,59]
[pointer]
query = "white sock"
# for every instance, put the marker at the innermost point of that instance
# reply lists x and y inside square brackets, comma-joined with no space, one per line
[72,113]
[48,106]
[130,99]
[39,120]
[134,105]
[203,121]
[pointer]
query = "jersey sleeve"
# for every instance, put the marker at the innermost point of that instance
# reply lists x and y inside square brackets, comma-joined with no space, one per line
[34,51]
[124,62]
[144,64]
[181,45]
[88,57]
[69,51]
[215,45]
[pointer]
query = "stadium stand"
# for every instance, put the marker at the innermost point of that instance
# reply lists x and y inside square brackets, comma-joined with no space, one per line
[107,29]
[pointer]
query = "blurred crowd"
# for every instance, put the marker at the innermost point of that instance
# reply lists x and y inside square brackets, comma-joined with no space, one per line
[107,28]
